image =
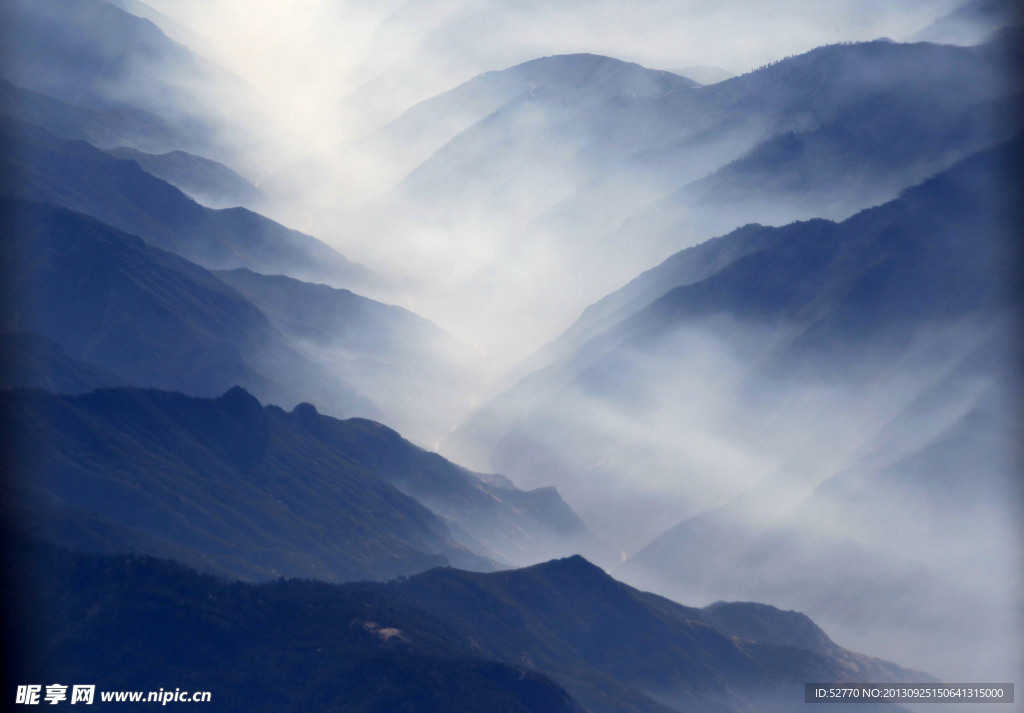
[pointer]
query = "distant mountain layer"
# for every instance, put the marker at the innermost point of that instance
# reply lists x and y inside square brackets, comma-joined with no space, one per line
[75,175]
[229,486]
[443,640]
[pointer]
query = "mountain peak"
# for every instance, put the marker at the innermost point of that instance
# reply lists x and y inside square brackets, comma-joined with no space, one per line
[597,72]
[575,566]
[239,401]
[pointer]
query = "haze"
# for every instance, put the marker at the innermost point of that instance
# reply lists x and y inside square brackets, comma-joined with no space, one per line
[501,214]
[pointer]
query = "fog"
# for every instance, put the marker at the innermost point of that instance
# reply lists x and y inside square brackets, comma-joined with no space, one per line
[307,59]
[500,212]
[711,460]
[326,75]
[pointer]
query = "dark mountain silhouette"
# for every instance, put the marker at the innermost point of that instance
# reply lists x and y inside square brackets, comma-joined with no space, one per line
[616,648]
[444,640]
[75,175]
[230,486]
[222,485]
[135,623]
[149,317]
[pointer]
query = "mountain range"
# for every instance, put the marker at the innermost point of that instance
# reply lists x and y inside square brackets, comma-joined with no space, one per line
[793,383]
[75,175]
[521,640]
[528,169]
[229,486]
[795,359]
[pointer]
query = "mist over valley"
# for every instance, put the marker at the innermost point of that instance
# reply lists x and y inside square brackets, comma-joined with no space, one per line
[475,356]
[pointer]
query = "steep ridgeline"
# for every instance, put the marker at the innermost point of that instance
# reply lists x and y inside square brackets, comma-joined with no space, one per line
[229,486]
[418,375]
[110,301]
[574,79]
[562,636]
[78,176]
[780,358]
[98,300]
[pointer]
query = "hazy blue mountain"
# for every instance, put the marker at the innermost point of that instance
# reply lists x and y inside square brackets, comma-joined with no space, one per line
[582,101]
[587,77]
[230,486]
[418,374]
[208,182]
[844,127]
[75,175]
[149,317]
[135,623]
